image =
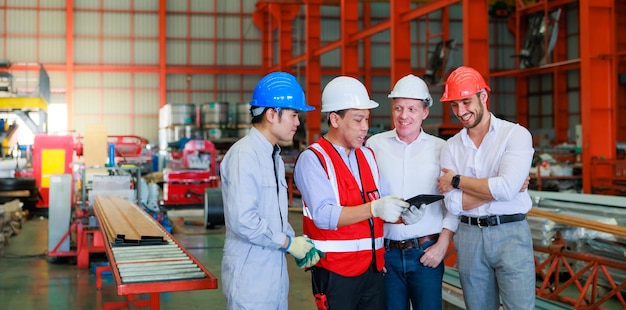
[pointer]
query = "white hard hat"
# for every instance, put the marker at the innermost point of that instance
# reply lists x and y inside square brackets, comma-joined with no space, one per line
[411,87]
[345,92]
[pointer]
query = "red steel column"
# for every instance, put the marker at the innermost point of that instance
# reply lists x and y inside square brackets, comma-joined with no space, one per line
[313,69]
[284,13]
[349,26]
[597,86]
[162,54]
[521,81]
[69,62]
[446,111]
[559,88]
[400,40]
[476,35]
[366,21]
[620,10]
[263,19]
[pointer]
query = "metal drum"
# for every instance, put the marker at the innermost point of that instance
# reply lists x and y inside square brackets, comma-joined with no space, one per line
[173,114]
[175,133]
[214,133]
[243,114]
[214,114]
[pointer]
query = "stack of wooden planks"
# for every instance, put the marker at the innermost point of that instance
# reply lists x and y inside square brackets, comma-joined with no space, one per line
[125,223]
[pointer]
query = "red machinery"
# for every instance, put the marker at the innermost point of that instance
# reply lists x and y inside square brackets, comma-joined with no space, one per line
[129,149]
[51,155]
[185,186]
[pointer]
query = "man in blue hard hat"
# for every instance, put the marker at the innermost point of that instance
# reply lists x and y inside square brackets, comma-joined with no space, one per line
[254,191]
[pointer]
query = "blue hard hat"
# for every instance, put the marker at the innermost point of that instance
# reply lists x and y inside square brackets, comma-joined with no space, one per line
[279,90]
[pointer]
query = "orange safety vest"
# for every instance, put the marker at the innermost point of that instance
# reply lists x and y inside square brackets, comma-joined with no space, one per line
[349,249]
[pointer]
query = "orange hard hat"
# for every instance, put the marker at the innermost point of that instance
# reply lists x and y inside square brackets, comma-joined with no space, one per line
[462,83]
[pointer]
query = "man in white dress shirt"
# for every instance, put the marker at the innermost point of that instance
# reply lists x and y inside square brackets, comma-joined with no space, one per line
[408,159]
[484,166]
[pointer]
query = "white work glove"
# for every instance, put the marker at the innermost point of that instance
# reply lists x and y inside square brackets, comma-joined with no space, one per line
[311,258]
[413,214]
[299,246]
[389,208]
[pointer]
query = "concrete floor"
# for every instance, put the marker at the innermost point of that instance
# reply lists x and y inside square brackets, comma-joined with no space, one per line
[29,281]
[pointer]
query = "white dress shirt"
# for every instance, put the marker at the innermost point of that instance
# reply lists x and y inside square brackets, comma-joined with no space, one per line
[409,170]
[504,156]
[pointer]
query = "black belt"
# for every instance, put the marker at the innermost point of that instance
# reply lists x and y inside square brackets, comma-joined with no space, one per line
[410,243]
[492,220]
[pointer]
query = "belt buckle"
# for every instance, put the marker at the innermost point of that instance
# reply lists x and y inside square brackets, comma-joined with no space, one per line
[478,223]
[403,244]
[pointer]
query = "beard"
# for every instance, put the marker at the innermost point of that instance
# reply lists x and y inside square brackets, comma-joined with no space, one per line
[478,117]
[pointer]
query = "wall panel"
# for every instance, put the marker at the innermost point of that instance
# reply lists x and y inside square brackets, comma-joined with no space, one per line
[116,102]
[87,23]
[87,50]
[52,22]
[202,53]
[52,50]
[116,51]
[146,25]
[116,23]
[144,52]
[145,103]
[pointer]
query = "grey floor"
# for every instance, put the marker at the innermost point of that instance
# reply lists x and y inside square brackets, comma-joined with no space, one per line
[29,281]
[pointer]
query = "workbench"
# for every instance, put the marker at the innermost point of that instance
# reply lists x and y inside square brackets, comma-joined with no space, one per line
[150,268]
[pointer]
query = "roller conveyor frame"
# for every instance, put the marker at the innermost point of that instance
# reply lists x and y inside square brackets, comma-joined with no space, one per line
[168,261]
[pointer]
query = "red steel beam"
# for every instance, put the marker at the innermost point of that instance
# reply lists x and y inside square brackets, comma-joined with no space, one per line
[131,84]
[234,69]
[446,111]
[100,56]
[215,58]
[349,49]
[69,61]
[559,87]
[476,35]
[566,65]
[162,53]
[597,87]
[285,14]
[188,50]
[367,46]
[241,47]
[521,100]
[263,20]
[4,33]
[400,41]
[521,81]
[539,6]
[313,67]
[620,10]
[428,8]
[379,27]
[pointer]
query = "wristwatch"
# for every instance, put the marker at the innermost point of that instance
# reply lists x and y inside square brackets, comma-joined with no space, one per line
[456,180]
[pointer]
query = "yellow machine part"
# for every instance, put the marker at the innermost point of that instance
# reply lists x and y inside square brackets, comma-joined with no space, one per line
[52,162]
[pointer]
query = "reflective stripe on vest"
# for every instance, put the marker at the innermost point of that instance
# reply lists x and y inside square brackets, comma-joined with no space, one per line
[348,245]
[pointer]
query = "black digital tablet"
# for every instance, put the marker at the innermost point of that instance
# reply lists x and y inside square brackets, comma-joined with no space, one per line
[423,199]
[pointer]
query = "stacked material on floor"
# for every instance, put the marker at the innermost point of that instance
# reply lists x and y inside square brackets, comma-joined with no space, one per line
[590,225]
[11,220]
[571,225]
